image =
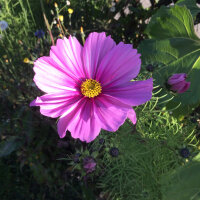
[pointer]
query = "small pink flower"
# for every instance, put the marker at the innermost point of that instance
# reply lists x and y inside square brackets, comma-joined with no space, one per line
[178,83]
[89,164]
[89,87]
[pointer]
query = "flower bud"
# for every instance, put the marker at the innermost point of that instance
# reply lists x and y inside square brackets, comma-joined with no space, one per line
[55,5]
[61,18]
[114,152]
[178,83]
[89,164]
[185,153]
[26,60]
[150,68]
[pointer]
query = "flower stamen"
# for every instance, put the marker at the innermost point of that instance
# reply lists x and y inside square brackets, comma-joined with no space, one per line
[91,88]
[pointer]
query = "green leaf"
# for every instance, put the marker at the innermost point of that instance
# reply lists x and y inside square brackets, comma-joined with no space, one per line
[183,183]
[8,146]
[181,109]
[197,158]
[171,22]
[176,48]
[191,5]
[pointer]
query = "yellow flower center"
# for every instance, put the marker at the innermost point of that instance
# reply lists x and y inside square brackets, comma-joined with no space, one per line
[91,88]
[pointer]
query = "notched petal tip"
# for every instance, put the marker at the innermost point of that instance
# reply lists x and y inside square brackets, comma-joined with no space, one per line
[132,116]
[61,134]
[33,103]
[61,128]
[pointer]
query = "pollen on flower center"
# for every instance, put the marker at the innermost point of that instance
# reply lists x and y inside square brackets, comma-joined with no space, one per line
[91,88]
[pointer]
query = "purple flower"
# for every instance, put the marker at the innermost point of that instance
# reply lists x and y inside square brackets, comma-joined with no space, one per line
[39,33]
[89,164]
[178,83]
[89,87]
[3,25]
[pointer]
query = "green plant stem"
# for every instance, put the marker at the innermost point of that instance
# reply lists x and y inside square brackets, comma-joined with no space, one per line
[47,23]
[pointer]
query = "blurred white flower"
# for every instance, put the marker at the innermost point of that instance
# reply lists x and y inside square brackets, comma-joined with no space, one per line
[113,4]
[127,11]
[3,25]
[147,20]
[197,29]
[117,16]
[145,4]
[68,3]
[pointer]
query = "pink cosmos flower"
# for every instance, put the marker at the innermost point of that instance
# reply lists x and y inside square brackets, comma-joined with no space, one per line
[89,87]
[178,83]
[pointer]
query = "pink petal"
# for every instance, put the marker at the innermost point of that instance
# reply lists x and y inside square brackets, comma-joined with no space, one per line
[134,93]
[175,78]
[81,122]
[68,55]
[111,112]
[132,116]
[49,77]
[97,45]
[66,119]
[85,125]
[180,87]
[120,65]
[55,105]
[89,165]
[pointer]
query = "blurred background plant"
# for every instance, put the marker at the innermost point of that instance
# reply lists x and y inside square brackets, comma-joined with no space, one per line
[128,164]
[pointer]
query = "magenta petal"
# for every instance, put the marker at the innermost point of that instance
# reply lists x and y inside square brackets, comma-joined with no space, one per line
[132,116]
[178,83]
[68,55]
[97,45]
[119,66]
[111,112]
[89,165]
[185,88]
[49,77]
[85,125]
[55,105]
[66,119]
[181,87]
[134,93]
[176,78]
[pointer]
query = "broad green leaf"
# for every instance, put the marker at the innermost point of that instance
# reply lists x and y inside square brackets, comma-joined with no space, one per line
[176,48]
[9,145]
[183,184]
[188,63]
[181,109]
[197,158]
[191,5]
[171,22]
[168,50]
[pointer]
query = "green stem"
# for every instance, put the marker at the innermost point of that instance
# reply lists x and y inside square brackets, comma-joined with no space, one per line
[46,22]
